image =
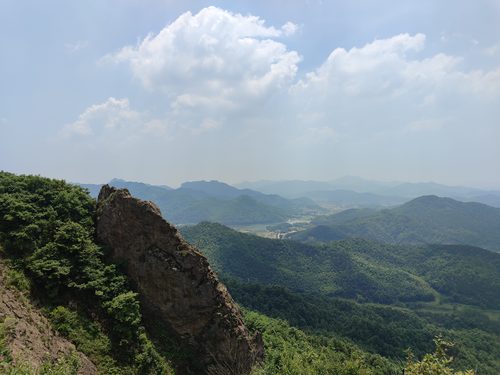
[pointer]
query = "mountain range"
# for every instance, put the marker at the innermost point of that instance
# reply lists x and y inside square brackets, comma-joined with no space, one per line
[382,297]
[108,277]
[424,220]
[366,193]
[354,268]
[197,201]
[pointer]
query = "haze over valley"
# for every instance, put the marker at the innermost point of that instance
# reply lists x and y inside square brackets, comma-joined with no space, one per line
[250,188]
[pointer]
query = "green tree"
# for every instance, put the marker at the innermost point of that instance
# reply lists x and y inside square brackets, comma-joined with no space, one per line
[437,363]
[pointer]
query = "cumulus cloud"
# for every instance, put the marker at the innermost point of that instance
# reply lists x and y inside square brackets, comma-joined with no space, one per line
[213,60]
[115,121]
[393,66]
[377,67]
[289,28]
[388,84]
[111,115]
[217,68]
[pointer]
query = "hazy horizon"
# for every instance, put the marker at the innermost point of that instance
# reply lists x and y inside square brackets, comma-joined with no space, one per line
[163,92]
[238,183]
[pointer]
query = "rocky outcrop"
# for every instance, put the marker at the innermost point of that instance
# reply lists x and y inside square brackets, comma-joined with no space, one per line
[30,340]
[177,285]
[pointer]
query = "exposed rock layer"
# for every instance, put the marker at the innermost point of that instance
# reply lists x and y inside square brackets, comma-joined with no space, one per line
[31,339]
[176,283]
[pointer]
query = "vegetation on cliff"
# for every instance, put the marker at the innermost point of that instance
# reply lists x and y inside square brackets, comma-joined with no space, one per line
[47,231]
[47,236]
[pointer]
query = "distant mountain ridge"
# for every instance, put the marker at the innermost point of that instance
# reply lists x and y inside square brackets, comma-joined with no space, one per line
[319,298]
[427,219]
[373,193]
[350,199]
[197,201]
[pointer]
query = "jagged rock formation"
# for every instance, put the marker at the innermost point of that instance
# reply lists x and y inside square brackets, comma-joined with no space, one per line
[176,284]
[31,340]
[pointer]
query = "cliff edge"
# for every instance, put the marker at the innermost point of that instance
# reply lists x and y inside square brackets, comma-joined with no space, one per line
[177,285]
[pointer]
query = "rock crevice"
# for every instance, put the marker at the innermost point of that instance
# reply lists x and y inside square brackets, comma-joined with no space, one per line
[176,283]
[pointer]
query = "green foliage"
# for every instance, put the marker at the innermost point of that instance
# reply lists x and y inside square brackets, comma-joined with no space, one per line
[47,231]
[302,283]
[124,309]
[428,219]
[18,280]
[88,336]
[437,363]
[148,361]
[459,273]
[329,270]
[357,269]
[5,331]
[386,330]
[291,351]
[68,365]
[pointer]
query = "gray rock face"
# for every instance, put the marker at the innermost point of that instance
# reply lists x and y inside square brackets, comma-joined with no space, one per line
[176,283]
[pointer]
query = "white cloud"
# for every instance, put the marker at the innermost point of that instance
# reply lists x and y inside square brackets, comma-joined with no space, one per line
[214,60]
[289,28]
[372,69]
[115,121]
[112,115]
[216,68]
[386,84]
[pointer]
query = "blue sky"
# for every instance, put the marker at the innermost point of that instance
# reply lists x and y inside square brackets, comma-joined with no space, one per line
[168,91]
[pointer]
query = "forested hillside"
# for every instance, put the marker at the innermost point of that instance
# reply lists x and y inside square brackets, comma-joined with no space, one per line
[47,236]
[360,269]
[49,251]
[383,297]
[425,220]
[332,270]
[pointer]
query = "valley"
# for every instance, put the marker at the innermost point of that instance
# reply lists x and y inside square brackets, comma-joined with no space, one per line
[215,187]
[308,281]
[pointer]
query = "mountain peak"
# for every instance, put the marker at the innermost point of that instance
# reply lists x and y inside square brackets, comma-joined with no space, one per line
[432,201]
[204,183]
[177,284]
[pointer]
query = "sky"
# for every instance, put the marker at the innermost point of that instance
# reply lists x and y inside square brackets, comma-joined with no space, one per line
[165,91]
